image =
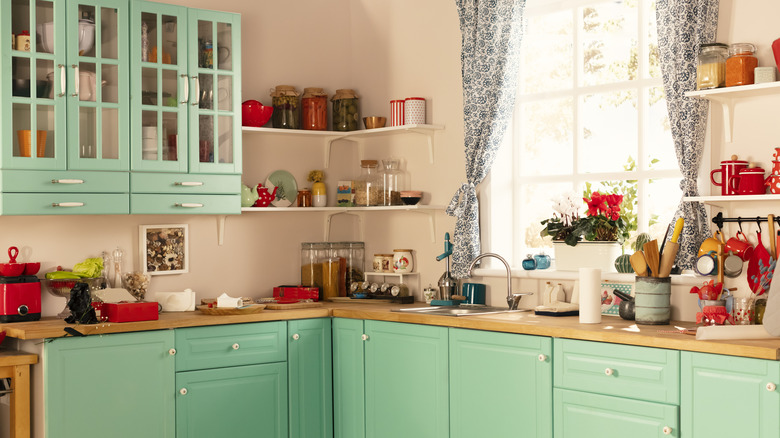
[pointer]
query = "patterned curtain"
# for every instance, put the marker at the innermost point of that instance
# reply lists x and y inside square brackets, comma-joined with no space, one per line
[682,26]
[490,55]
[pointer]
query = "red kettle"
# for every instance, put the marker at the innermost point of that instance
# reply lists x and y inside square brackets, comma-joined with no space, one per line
[264,198]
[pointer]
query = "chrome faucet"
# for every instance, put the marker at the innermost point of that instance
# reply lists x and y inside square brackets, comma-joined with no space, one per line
[512,299]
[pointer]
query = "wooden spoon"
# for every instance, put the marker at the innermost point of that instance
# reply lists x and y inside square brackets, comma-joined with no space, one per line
[652,257]
[639,264]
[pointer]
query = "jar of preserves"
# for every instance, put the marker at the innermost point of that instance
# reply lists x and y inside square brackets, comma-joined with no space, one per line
[711,66]
[368,185]
[314,105]
[287,111]
[741,64]
[304,198]
[345,110]
[393,182]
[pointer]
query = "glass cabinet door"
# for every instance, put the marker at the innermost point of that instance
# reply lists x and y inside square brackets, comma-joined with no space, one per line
[160,87]
[98,97]
[33,84]
[215,125]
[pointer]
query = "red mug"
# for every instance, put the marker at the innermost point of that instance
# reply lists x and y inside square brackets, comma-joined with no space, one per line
[739,247]
[749,182]
[728,168]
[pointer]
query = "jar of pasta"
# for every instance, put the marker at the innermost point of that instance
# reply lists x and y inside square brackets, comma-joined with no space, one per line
[314,103]
[711,66]
[741,64]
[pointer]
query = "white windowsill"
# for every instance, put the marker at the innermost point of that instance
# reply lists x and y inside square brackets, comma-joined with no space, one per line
[551,274]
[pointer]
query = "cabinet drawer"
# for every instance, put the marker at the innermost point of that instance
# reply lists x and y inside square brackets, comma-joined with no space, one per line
[63,203]
[584,415]
[185,183]
[623,370]
[184,204]
[200,348]
[63,181]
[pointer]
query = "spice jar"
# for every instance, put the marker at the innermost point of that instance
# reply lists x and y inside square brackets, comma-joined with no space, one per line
[368,185]
[711,66]
[393,182]
[304,198]
[741,64]
[287,111]
[345,110]
[314,106]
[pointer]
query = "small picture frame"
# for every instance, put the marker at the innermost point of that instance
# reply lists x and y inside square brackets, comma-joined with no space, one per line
[610,303]
[164,249]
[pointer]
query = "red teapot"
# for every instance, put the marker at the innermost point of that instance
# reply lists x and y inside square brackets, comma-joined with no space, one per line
[709,291]
[264,198]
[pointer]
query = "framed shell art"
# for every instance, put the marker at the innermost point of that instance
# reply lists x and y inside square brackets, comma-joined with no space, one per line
[164,249]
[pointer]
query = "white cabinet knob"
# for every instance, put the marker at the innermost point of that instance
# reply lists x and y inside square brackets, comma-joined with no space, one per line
[364,337]
[172,351]
[771,387]
[542,358]
[667,430]
[609,371]
[235,346]
[183,391]
[296,337]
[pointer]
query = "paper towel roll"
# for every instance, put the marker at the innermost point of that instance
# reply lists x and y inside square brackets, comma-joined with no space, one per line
[590,296]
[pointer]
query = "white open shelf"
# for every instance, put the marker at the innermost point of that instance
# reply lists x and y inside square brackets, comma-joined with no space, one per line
[725,201]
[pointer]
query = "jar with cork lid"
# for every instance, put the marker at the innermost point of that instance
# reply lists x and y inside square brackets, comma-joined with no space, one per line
[368,185]
[287,109]
[314,103]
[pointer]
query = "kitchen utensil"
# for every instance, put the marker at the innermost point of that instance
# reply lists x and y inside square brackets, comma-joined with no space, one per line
[706,264]
[652,257]
[20,298]
[285,306]
[12,269]
[31,268]
[749,181]
[447,284]
[663,241]
[254,113]
[249,196]
[626,306]
[732,266]
[739,246]
[669,254]
[639,263]
[62,288]
[244,310]
[758,266]
[374,122]
[709,290]
[770,219]
[728,168]
[88,85]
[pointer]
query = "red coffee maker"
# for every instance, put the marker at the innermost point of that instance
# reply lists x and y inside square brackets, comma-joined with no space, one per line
[20,298]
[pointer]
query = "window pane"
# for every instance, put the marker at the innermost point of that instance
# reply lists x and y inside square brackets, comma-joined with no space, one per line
[550,34]
[652,42]
[609,42]
[658,135]
[664,197]
[536,202]
[609,131]
[546,140]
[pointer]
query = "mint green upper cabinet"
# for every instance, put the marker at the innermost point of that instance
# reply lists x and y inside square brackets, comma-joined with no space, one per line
[500,384]
[348,379]
[407,382]
[310,378]
[215,92]
[724,396]
[160,84]
[119,385]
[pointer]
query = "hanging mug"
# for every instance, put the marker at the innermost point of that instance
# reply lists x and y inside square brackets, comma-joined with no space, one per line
[739,247]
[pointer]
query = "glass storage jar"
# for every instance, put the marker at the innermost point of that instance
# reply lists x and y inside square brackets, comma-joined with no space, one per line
[313,254]
[314,105]
[393,182]
[368,185]
[711,66]
[354,253]
[740,64]
[287,110]
[345,110]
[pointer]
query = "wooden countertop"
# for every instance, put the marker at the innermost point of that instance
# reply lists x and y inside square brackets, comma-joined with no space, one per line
[611,329]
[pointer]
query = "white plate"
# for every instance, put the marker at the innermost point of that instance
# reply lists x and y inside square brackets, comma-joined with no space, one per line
[287,188]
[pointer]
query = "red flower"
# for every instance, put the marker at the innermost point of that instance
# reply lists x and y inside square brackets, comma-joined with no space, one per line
[596,203]
[614,200]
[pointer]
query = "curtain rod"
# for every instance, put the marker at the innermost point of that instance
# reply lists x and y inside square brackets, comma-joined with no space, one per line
[719,219]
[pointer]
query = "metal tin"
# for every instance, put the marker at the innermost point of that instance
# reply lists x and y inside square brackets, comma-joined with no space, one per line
[652,304]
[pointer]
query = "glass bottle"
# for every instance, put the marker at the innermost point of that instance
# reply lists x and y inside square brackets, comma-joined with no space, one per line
[368,185]
[345,110]
[287,111]
[393,182]
[314,105]
[529,263]
[711,66]
[741,64]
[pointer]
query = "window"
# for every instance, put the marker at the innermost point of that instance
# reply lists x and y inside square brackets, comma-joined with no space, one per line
[590,114]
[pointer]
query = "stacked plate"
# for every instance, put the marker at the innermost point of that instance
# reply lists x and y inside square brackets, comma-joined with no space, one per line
[149,143]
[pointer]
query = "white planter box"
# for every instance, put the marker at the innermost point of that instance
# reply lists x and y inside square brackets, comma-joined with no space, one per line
[599,255]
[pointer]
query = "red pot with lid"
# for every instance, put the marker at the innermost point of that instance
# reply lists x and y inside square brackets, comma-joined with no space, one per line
[254,113]
[728,169]
[750,181]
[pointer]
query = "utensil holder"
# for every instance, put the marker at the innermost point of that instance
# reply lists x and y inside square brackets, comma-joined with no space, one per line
[652,304]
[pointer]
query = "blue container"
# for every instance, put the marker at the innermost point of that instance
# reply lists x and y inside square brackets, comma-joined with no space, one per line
[542,261]
[474,293]
[529,263]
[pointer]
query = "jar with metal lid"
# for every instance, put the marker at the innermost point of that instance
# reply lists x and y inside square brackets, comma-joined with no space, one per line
[345,110]
[741,64]
[313,254]
[393,182]
[287,110]
[314,105]
[711,66]
[368,185]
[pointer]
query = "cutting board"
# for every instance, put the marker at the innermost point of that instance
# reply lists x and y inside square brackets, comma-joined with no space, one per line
[277,306]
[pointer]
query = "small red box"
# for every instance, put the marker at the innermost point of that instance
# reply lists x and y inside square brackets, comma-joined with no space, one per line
[297,292]
[128,312]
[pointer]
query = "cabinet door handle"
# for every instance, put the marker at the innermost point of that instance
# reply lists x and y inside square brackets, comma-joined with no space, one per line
[188,183]
[76,80]
[542,358]
[183,391]
[364,337]
[296,337]
[186,89]
[236,346]
[609,371]
[197,91]
[188,205]
[172,351]
[63,83]
[771,387]
[67,204]
[667,430]
[67,181]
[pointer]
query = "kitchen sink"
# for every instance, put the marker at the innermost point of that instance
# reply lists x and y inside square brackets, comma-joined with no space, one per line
[457,311]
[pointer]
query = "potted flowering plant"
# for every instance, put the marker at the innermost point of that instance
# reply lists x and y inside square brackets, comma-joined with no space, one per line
[602,222]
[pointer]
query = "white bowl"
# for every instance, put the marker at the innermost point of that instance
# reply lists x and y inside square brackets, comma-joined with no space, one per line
[46,36]
[86,36]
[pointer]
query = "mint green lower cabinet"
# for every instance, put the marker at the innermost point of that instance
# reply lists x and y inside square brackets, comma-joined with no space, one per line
[236,402]
[586,415]
[349,389]
[407,380]
[500,385]
[119,385]
[310,378]
[726,396]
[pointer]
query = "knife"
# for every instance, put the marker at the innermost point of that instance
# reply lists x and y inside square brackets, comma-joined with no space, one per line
[668,256]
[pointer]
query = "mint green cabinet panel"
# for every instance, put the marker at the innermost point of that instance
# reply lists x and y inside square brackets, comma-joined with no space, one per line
[230,345]
[63,203]
[725,396]
[185,183]
[585,415]
[120,385]
[236,402]
[309,364]
[500,384]
[348,379]
[62,181]
[643,373]
[184,204]
[401,400]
